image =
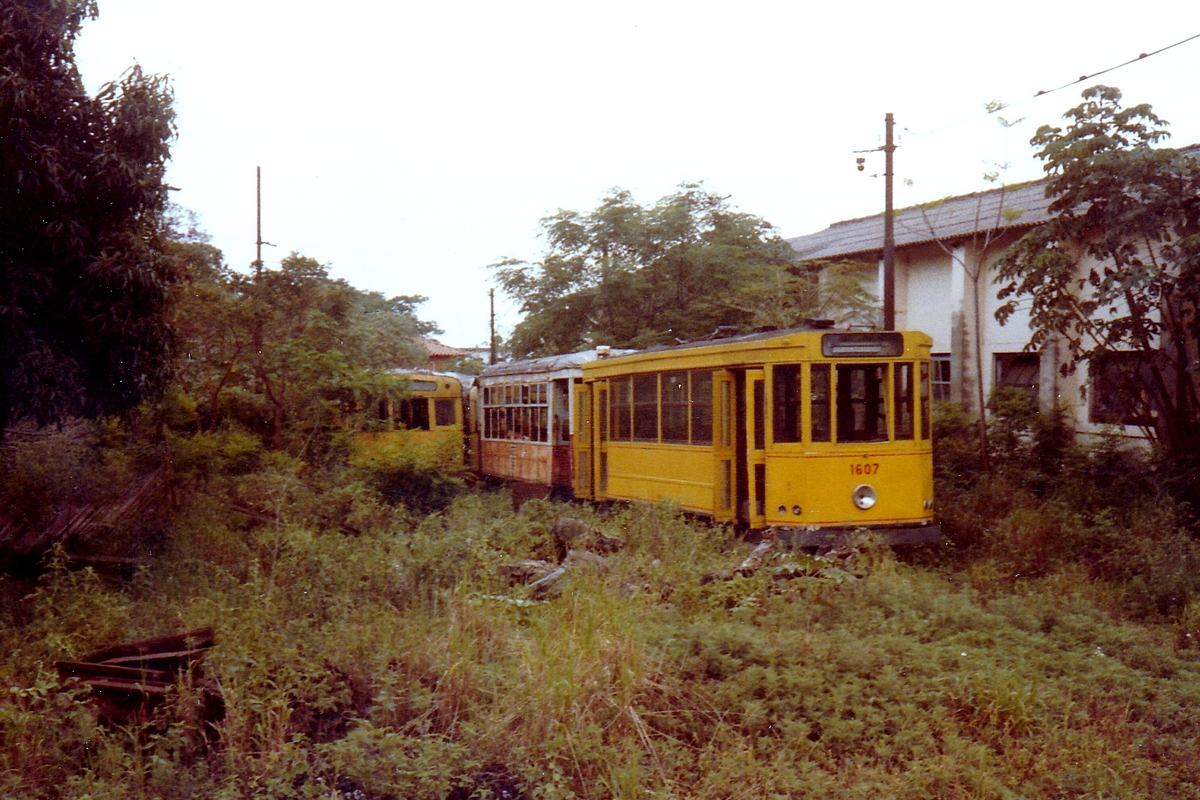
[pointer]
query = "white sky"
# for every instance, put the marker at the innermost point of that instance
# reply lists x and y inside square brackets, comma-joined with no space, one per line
[408,145]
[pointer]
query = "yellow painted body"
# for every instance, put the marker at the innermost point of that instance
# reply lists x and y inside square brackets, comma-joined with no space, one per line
[433,406]
[743,470]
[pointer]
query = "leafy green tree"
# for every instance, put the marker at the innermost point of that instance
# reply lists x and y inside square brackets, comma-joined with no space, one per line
[1117,267]
[295,350]
[84,282]
[632,276]
[214,329]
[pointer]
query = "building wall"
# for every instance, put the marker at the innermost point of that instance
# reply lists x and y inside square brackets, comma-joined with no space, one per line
[936,292]
[924,292]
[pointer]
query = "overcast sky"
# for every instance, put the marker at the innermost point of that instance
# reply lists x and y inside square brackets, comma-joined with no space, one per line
[408,145]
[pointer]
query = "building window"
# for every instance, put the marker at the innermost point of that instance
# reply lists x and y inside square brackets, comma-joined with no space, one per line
[940,378]
[1020,370]
[1118,390]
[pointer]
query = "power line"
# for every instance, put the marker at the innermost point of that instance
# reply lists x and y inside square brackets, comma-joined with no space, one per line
[1044,92]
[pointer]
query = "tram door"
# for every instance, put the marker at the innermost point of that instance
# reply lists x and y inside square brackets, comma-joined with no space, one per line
[600,440]
[724,446]
[582,442]
[755,477]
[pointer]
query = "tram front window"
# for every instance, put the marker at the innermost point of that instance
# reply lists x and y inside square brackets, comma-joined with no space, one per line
[861,403]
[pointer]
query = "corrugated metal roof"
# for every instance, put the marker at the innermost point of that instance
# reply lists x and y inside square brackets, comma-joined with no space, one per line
[1012,207]
[542,366]
[950,219]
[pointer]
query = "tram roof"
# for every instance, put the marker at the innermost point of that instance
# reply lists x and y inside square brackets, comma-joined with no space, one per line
[742,340]
[545,367]
[462,380]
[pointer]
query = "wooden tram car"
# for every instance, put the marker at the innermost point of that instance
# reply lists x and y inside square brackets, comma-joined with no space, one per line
[812,432]
[522,422]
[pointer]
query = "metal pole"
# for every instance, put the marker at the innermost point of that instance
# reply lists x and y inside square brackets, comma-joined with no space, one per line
[492,340]
[889,236]
[258,242]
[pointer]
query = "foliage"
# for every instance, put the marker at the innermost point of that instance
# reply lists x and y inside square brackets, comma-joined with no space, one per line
[1117,268]
[786,296]
[45,471]
[290,352]
[422,470]
[1051,506]
[84,282]
[631,276]
[402,662]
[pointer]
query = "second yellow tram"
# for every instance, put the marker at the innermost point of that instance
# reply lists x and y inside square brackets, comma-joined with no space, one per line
[814,433]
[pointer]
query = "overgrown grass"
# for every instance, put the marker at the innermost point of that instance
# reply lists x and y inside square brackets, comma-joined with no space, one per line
[401,663]
[1095,520]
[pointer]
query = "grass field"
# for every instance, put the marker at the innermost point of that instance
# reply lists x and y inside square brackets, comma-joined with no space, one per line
[401,663]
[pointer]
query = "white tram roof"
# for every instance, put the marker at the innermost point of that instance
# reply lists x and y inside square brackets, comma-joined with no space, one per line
[568,365]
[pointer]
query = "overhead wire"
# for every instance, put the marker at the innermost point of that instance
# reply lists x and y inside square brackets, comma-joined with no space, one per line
[1044,92]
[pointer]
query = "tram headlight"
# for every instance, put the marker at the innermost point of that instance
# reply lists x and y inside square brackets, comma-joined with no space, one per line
[863,496]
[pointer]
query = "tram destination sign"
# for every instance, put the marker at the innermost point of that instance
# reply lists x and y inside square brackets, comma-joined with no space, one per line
[862,345]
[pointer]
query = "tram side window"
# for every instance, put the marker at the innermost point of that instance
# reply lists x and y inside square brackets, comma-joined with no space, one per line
[702,408]
[414,413]
[861,403]
[822,416]
[621,400]
[785,381]
[675,407]
[645,408]
[925,405]
[510,412]
[902,383]
[443,411]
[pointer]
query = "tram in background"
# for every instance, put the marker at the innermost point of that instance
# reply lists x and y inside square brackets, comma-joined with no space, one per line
[522,421]
[812,432]
[422,425]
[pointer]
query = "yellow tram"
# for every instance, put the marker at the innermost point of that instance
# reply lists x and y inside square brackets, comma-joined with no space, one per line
[424,426]
[813,432]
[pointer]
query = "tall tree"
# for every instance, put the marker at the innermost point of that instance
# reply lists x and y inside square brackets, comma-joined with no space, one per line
[84,283]
[1116,270]
[293,342]
[632,276]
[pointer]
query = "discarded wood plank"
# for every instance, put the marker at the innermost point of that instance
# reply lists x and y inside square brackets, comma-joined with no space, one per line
[199,639]
[82,669]
[129,680]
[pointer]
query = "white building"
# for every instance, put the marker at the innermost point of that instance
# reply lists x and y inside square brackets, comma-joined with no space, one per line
[944,267]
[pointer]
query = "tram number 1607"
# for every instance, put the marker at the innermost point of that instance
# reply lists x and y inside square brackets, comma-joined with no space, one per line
[864,469]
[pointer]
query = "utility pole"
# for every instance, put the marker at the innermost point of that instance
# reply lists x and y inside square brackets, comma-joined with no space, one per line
[492,338]
[889,234]
[258,224]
